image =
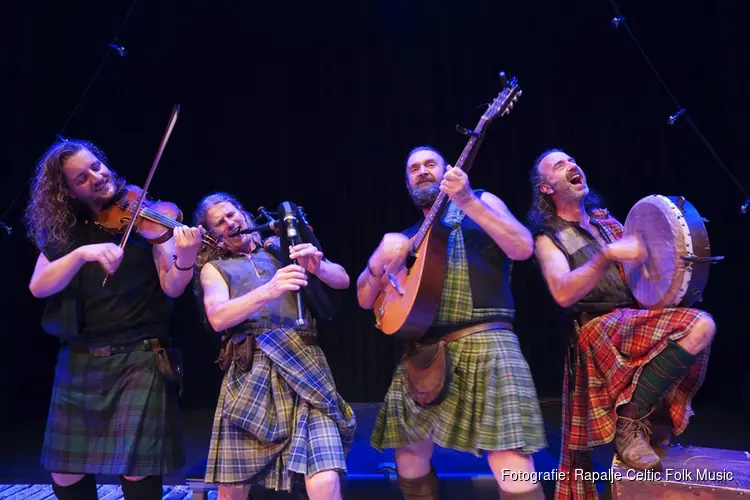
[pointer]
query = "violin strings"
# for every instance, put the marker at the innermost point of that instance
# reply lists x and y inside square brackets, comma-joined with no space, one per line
[160,218]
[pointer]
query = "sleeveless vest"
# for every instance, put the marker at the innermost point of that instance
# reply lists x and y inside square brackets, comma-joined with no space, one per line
[243,274]
[579,246]
[477,284]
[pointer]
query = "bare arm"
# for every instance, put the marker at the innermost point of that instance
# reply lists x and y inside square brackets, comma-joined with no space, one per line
[492,215]
[50,278]
[368,286]
[333,275]
[172,280]
[390,254]
[568,287]
[310,258]
[223,312]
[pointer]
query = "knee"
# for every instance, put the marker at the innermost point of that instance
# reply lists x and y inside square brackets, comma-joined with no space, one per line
[141,487]
[134,478]
[232,491]
[326,481]
[511,460]
[705,329]
[65,480]
[415,451]
[413,460]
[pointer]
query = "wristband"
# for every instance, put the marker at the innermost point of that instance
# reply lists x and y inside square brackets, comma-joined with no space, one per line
[182,268]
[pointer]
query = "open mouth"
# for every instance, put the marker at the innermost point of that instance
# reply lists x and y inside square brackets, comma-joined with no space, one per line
[575,178]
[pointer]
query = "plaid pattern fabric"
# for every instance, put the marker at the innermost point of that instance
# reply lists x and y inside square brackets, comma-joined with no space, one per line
[112,415]
[456,304]
[491,403]
[611,351]
[284,416]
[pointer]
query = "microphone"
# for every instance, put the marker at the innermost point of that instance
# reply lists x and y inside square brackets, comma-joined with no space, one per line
[271,226]
[745,206]
[286,213]
[6,228]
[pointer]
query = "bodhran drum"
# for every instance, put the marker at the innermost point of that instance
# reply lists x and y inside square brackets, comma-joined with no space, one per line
[679,254]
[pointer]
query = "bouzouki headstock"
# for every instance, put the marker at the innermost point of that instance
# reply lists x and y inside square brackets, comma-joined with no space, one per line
[505,100]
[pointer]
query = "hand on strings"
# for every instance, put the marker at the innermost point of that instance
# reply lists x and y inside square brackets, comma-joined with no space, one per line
[286,279]
[187,242]
[391,253]
[455,184]
[307,256]
[108,255]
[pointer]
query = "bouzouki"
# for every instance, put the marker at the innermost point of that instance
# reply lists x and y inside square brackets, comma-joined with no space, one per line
[407,305]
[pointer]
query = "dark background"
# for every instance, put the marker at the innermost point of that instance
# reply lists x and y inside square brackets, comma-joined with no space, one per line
[319,105]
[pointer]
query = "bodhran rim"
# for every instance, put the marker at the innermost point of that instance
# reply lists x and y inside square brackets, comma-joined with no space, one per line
[671,228]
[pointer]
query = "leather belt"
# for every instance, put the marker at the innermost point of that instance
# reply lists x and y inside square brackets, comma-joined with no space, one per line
[109,350]
[306,339]
[469,330]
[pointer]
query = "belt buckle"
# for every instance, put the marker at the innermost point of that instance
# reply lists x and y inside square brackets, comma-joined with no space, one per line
[100,351]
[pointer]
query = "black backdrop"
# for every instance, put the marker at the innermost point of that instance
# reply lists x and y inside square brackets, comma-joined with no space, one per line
[291,101]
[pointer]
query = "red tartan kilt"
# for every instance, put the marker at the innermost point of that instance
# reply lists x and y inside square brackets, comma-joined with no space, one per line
[615,346]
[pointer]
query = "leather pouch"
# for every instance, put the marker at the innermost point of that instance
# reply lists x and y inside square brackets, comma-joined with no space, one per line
[428,372]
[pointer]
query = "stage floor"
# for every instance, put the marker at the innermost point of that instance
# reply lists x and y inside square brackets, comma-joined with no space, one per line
[21,476]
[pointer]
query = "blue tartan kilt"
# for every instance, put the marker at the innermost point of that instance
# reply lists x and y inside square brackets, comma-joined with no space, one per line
[114,415]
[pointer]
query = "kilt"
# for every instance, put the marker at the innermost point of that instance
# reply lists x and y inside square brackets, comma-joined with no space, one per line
[491,403]
[112,415]
[282,417]
[611,352]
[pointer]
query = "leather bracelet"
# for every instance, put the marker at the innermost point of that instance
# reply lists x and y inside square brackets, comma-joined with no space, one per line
[182,268]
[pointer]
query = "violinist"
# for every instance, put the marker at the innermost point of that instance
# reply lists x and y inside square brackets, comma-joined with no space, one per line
[279,418]
[114,407]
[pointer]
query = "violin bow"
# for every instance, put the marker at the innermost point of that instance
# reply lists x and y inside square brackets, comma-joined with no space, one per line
[164,139]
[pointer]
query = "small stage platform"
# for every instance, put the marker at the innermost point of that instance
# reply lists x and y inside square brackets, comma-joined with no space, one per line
[687,472]
[372,474]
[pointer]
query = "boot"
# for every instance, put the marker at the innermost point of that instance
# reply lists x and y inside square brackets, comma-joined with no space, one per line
[420,488]
[632,439]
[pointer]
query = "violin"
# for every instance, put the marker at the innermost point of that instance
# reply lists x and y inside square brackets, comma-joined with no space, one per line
[155,221]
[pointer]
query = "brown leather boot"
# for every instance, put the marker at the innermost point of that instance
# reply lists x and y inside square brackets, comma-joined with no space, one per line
[661,428]
[632,440]
[420,488]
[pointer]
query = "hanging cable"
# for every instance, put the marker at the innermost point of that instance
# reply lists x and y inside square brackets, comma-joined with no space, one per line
[112,47]
[620,21]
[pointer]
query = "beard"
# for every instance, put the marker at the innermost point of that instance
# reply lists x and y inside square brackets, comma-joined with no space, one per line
[424,196]
[569,195]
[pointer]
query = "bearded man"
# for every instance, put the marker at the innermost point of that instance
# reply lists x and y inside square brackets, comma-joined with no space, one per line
[490,403]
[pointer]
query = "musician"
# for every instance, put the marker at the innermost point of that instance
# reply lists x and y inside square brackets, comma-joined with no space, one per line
[112,410]
[629,359]
[279,415]
[490,403]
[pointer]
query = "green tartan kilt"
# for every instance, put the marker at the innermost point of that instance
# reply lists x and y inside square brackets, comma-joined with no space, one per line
[491,402]
[112,415]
